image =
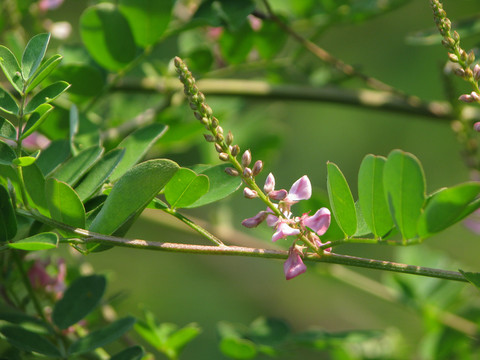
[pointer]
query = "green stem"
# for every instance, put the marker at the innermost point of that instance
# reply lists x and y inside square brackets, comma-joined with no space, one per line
[195,227]
[28,285]
[91,237]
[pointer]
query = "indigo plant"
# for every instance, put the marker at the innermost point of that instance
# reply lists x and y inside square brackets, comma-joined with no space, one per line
[94,136]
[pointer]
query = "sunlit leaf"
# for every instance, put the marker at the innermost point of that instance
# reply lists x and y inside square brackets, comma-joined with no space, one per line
[43,71]
[41,241]
[102,337]
[64,204]
[74,168]
[185,187]
[46,95]
[79,300]
[341,200]
[132,193]
[472,277]
[404,184]
[107,36]
[8,103]
[11,68]
[33,54]
[7,130]
[371,195]
[98,174]
[36,119]
[148,19]
[445,207]
[136,146]
[238,348]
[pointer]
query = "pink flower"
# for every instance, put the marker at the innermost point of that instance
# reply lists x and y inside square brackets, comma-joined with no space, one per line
[282,230]
[294,265]
[256,220]
[318,222]
[45,5]
[300,190]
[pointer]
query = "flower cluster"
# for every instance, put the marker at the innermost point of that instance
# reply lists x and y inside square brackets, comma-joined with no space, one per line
[305,228]
[464,61]
[310,226]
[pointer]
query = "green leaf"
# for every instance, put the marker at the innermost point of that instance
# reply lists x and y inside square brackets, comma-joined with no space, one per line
[231,13]
[99,173]
[221,184]
[7,154]
[472,277]
[371,195]
[43,71]
[136,146]
[107,36]
[341,200]
[86,80]
[35,185]
[7,130]
[132,193]
[269,40]
[237,348]
[25,160]
[11,68]
[8,220]
[33,54]
[132,353]
[79,300]
[29,341]
[53,156]
[180,338]
[185,187]
[27,322]
[36,119]
[404,184]
[102,337]
[64,204]
[8,103]
[445,207]
[72,170]
[235,46]
[42,241]
[46,95]
[148,19]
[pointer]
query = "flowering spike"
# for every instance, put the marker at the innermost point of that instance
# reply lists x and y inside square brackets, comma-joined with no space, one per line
[294,265]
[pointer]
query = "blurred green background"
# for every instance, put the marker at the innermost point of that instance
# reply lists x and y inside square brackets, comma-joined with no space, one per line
[205,289]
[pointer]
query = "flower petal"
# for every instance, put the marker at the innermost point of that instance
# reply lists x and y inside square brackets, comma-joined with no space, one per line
[319,222]
[294,265]
[300,190]
[256,220]
[283,230]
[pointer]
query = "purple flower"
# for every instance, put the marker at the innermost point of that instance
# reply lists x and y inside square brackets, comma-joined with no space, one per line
[282,230]
[300,190]
[294,265]
[318,222]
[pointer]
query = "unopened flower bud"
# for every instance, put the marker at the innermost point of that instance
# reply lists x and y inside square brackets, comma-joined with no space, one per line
[219,130]
[476,72]
[205,122]
[453,57]
[468,73]
[218,147]
[475,96]
[459,72]
[223,156]
[193,106]
[246,158]
[198,116]
[456,36]
[209,137]
[231,171]
[476,126]
[257,167]
[247,172]
[256,220]
[201,97]
[206,110]
[269,184]
[215,122]
[229,138]
[470,57]
[249,193]
[219,137]
[278,194]
[463,55]
[235,150]
[466,98]
[178,62]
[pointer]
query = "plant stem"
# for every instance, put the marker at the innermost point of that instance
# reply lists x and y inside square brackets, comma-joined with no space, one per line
[245,251]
